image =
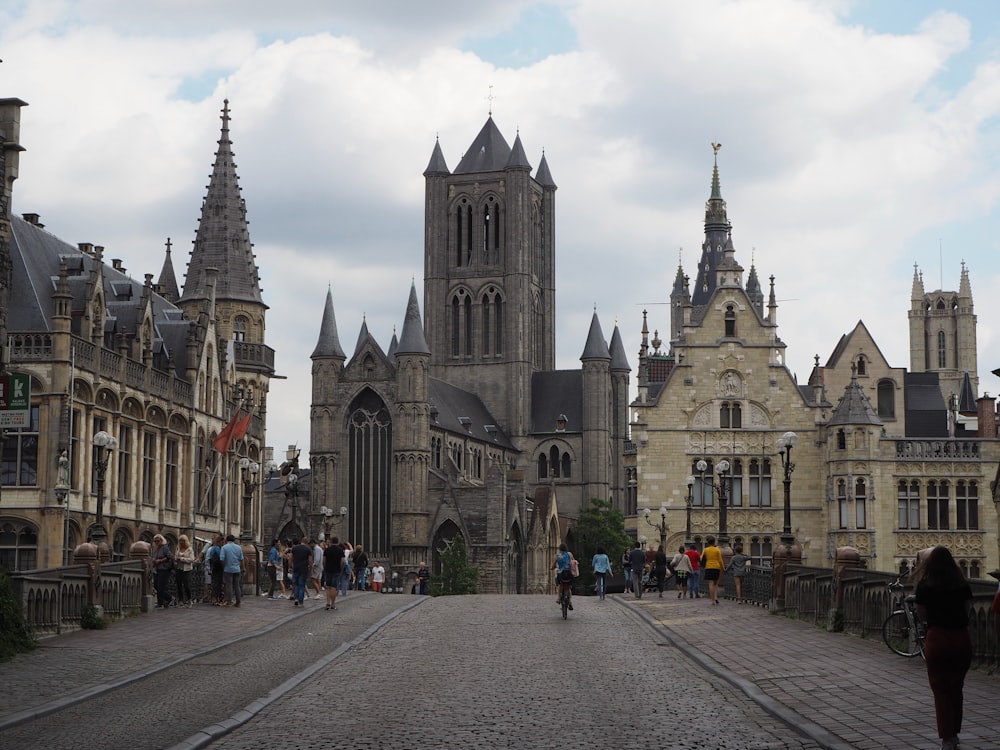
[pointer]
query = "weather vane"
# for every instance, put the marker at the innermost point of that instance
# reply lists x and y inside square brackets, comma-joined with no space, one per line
[715,148]
[490,98]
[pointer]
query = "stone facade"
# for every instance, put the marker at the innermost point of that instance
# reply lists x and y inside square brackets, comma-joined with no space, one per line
[159,372]
[885,460]
[462,424]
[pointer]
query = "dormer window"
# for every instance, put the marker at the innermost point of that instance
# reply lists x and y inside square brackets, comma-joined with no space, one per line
[730,321]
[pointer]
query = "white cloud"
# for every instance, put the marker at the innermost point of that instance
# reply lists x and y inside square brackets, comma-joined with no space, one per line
[845,157]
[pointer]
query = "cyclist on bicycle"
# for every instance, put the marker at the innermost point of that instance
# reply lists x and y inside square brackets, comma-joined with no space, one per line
[563,565]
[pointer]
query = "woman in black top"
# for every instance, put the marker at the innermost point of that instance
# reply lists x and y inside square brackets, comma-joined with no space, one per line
[943,601]
[660,569]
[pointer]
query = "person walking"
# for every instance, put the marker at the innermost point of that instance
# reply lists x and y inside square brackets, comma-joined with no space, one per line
[232,568]
[316,573]
[378,576]
[184,564]
[637,561]
[215,563]
[273,567]
[660,569]
[344,582]
[694,576]
[738,567]
[712,565]
[163,563]
[682,569]
[360,561]
[944,600]
[601,564]
[423,578]
[301,564]
[333,565]
[627,570]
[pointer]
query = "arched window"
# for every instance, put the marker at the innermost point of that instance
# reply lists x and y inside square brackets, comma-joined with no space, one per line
[760,552]
[860,507]
[456,325]
[554,461]
[468,325]
[240,328]
[862,365]
[841,504]
[966,505]
[18,545]
[486,304]
[543,466]
[567,467]
[942,350]
[937,504]
[841,440]
[886,399]
[498,324]
[369,480]
[730,321]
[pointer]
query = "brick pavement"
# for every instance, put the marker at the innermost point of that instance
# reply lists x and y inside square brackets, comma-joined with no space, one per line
[839,690]
[845,691]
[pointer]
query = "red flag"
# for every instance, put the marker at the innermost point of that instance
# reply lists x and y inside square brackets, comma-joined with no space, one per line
[224,438]
[241,427]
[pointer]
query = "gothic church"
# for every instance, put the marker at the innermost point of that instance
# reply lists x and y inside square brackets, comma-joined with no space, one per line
[463,425]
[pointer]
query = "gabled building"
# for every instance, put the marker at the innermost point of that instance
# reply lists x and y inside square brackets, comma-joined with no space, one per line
[463,425]
[155,372]
[887,460]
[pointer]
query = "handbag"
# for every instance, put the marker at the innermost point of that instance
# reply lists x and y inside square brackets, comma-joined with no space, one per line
[574,567]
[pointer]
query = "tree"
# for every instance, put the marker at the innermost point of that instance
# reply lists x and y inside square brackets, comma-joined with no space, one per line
[600,525]
[457,576]
[16,635]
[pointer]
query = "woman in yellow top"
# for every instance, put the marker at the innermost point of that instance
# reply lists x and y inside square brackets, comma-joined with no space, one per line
[712,565]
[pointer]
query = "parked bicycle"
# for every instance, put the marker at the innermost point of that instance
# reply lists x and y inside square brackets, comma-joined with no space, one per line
[903,631]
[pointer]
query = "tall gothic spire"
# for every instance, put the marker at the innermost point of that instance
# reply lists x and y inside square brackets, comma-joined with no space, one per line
[223,239]
[717,236]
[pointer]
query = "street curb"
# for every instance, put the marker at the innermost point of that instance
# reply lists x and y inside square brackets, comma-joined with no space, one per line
[797,722]
[211,733]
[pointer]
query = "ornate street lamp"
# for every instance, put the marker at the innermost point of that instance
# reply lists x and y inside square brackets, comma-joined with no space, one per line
[660,527]
[329,513]
[722,468]
[105,444]
[687,531]
[248,471]
[788,551]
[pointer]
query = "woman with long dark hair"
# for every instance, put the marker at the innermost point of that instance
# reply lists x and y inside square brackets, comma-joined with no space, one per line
[943,600]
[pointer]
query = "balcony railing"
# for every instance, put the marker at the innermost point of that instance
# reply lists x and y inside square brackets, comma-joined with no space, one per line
[938,450]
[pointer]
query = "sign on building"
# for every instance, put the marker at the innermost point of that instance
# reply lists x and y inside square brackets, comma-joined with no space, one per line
[15,400]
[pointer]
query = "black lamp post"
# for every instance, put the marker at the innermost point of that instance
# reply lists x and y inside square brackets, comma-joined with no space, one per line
[788,551]
[329,513]
[289,471]
[687,530]
[722,468]
[249,471]
[785,444]
[660,527]
[105,445]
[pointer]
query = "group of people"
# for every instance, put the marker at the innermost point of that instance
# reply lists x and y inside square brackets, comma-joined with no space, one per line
[224,567]
[687,566]
[331,566]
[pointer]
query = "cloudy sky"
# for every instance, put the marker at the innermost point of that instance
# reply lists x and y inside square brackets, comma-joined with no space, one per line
[859,137]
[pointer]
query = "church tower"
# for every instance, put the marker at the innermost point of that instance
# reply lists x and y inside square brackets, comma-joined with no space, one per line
[489,273]
[718,236]
[222,248]
[943,334]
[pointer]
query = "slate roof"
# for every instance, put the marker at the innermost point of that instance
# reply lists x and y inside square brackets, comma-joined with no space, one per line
[854,407]
[328,344]
[926,412]
[555,393]
[412,340]
[596,346]
[489,152]
[449,403]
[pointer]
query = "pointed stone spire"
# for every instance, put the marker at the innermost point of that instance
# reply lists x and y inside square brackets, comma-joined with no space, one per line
[223,237]
[437,163]
[619,362]
[412,340]
[772,304]
[717,234]
[964,287]
[329,341]
[518,159]
[543,176]
[967,396]
[597,346]
[854,406]
[489,152]
[168,281]
[393,346]
[917,291]
[362,336]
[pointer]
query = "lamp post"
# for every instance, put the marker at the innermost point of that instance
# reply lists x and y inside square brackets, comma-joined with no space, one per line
[248,472]
[328,513]
[660,527]
[788,551]
[289,471]
[687,529]
[105,445]
[722,468]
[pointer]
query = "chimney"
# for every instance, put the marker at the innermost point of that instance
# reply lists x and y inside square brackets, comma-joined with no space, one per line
[116,263]
[87,248]
[34,220]
[986,407]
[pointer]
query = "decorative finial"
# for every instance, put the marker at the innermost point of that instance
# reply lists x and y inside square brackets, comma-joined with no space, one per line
[490,98]
[715,148]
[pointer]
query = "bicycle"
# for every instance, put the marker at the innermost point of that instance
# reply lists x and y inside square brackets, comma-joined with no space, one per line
[903,631]
[565,580]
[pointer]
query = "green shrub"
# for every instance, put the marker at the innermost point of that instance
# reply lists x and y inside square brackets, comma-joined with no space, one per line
[91,620]
[457,576]
[16,635]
